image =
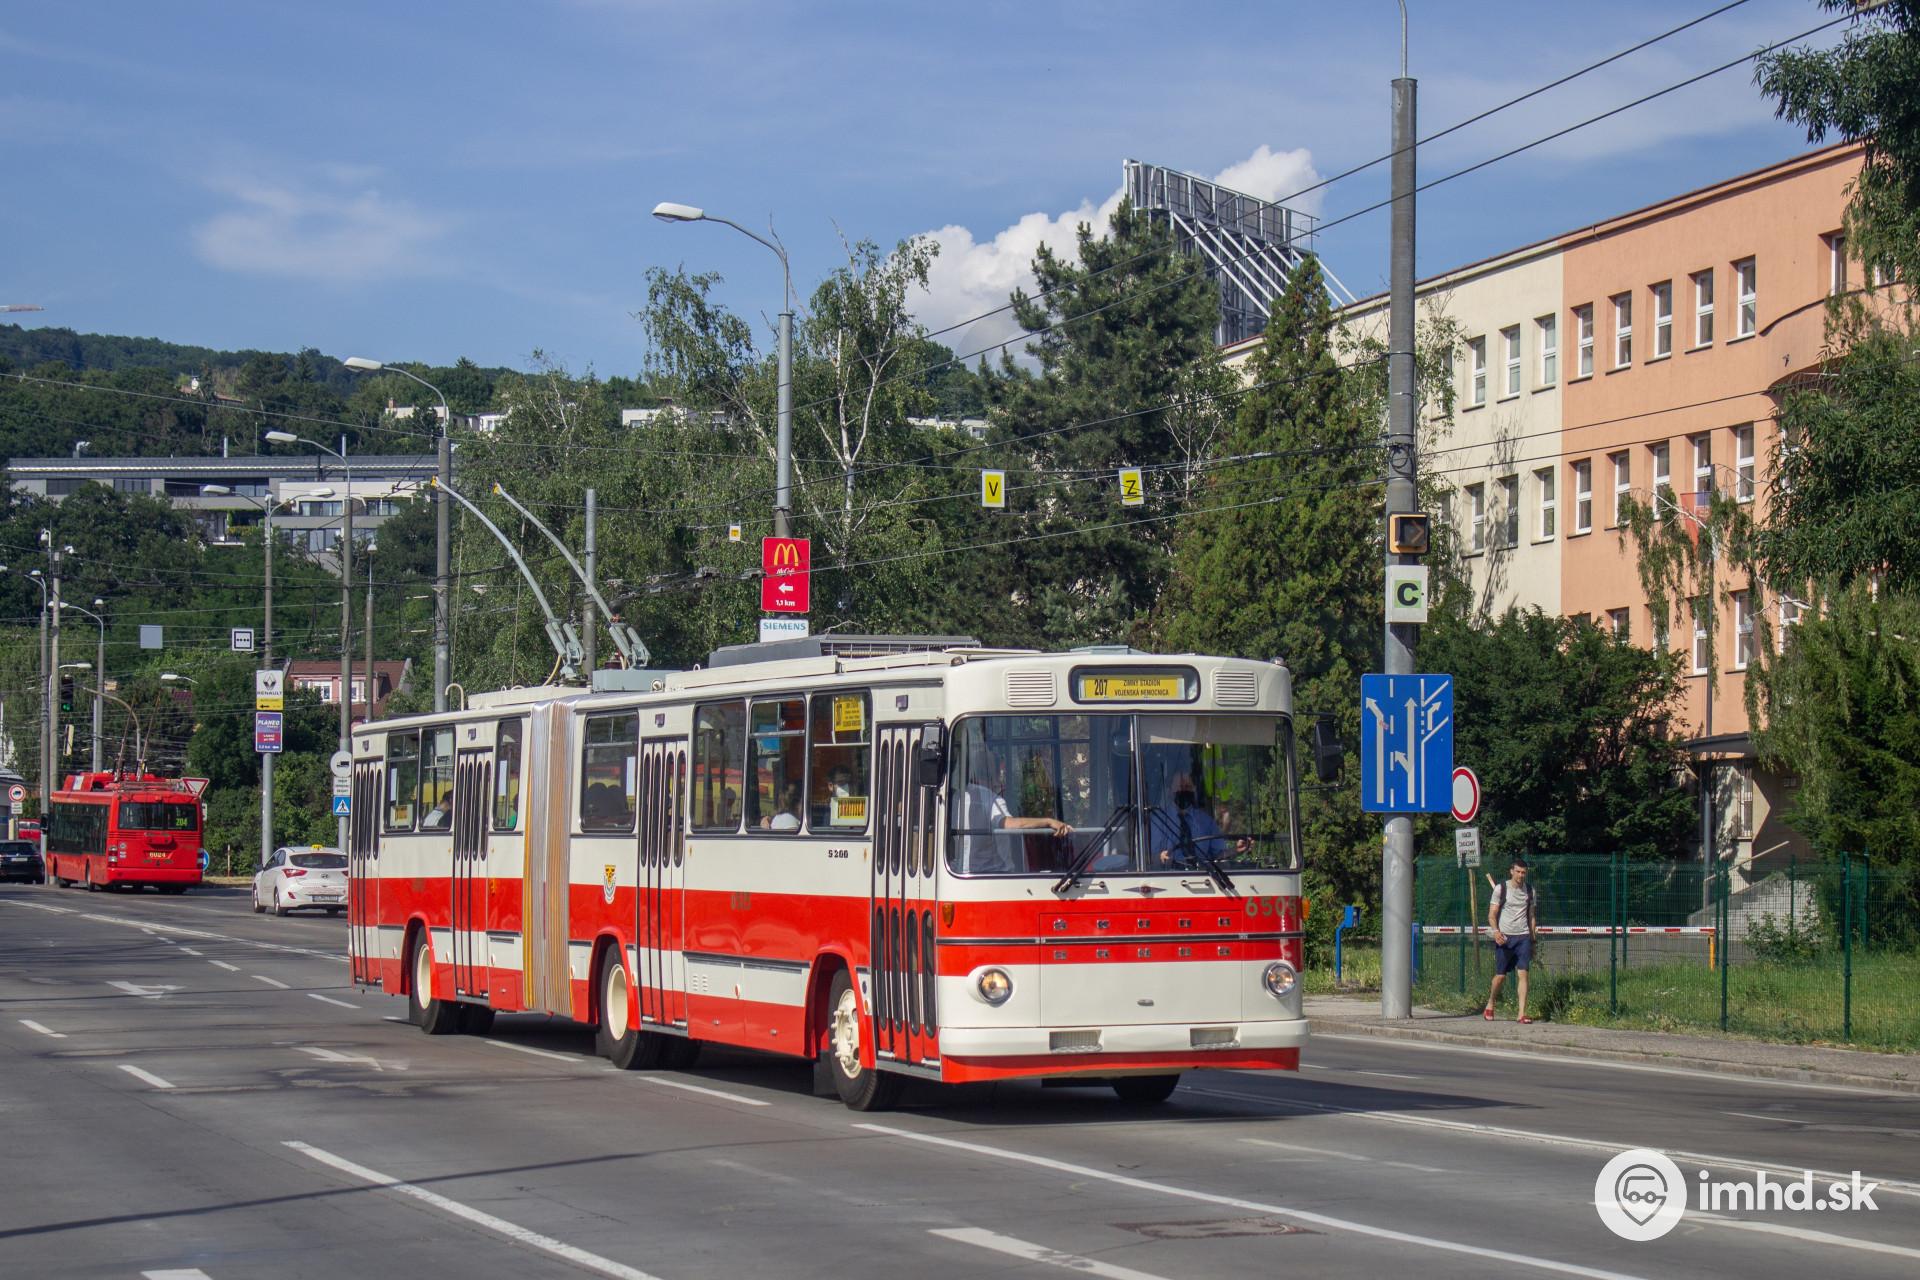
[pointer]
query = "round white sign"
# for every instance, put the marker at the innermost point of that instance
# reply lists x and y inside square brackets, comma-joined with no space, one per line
[341,763]
[16,792]
[1466,794]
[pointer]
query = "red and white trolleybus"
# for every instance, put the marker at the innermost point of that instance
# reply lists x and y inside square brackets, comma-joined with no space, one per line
[106,830]
[957,863]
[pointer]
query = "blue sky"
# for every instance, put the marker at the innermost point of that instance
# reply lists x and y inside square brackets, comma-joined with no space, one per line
[431,180]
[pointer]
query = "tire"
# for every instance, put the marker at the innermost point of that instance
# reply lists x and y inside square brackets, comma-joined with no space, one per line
[173,890]
[257,908]
[91,886]
[475,1019]
[1146,1091]
[861,1088]
[626,1046]
[681,1053]
[334,911]
[435,1017]
[278,910]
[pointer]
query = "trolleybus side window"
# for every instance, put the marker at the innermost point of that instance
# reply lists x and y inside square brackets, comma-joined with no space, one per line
[436,781]
[506,775]
[77,828]
[779,753]
[609,754]
[840,767]
[403,777]
[719,761]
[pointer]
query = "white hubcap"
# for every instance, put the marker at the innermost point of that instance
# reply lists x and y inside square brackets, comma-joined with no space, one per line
[422,974]
[616,1001]
[846,1034]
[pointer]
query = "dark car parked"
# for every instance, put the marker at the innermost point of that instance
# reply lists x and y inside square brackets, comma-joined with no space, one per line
[21,860]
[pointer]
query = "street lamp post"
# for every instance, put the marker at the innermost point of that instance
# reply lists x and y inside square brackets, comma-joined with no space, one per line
[667,211]
[442,627]
[346,590]
[55,554]
[139,734]
[99,665]
[34,576]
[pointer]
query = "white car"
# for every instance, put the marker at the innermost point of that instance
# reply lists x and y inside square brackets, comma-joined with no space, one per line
[314,878]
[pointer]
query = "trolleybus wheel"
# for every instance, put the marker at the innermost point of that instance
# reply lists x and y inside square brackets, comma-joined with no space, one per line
[680,1053]
[1146,1091]
[435,1017]
[91,886]
[861,1088]
[173,890]
[623,1044]
[476,1019]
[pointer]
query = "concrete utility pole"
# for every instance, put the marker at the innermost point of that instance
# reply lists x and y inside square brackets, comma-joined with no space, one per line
[366,625]
[586,606]
[53,661]
[1396,868]
[37,579]
[100,671]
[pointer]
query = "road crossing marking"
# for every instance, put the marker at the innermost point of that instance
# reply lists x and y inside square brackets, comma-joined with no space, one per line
[334,1055]
[31,1025]
[315,995]
[512,1231]
[272,982]
[144,990]
[146,1076]
[1040,1253]
[1477,1251]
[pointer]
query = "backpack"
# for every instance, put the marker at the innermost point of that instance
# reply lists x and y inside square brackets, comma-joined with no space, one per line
[1533,903]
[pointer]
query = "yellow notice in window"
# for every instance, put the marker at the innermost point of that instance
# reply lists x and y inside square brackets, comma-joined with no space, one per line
[849,715]
[848,811]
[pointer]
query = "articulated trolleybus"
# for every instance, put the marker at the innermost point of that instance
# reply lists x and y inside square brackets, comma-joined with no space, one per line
[901,857]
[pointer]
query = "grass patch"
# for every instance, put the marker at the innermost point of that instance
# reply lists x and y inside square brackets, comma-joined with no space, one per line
[1359,971]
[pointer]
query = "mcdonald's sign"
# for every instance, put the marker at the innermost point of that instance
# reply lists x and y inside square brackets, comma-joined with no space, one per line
[785,564]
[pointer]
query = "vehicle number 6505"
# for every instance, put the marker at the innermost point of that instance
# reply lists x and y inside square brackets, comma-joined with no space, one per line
[1263,906]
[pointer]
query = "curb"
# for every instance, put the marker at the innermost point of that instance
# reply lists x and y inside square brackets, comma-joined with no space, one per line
[1750,1071]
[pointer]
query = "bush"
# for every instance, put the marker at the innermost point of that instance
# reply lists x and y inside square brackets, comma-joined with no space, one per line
[1794,942]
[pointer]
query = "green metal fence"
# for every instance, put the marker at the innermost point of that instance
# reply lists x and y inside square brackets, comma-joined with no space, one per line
[1807,951]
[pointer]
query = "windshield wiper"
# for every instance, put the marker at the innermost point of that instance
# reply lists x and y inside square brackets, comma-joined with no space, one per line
[1084,859]
[1216,872]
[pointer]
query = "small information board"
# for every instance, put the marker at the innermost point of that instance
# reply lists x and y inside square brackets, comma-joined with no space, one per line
[1466,846]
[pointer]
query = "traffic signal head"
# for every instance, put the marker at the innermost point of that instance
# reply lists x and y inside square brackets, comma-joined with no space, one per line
[1409,534]
[66,693]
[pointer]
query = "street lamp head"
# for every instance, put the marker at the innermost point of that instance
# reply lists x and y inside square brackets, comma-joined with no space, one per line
[216,491]
[326,491]
[171,676]
[98,603]
[76,666]
[282,437]
[360,364]
[667,211]
[35,573]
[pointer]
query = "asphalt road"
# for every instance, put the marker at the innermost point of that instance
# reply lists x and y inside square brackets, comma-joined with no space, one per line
[187,1089]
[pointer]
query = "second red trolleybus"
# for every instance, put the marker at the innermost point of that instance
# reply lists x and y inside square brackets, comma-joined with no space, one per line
[951,863]
[105,830]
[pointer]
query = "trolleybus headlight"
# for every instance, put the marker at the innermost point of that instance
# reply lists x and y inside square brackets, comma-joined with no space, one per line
[1280,978]
[995,987]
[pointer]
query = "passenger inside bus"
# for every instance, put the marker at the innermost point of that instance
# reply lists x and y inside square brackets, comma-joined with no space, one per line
[787,816]
[437,818]
[983,815]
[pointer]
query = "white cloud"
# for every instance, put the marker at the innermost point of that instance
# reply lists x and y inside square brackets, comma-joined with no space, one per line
[340,229]
[972,277]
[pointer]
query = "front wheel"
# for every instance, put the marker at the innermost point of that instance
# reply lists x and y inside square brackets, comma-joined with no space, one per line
[617,1039]
[435,1017]
[278,910]
[1146,1091]
[862,1088]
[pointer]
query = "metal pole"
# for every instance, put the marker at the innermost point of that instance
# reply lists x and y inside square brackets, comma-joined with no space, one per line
[100,673]
[346,616]
[366,631]
[46,715]
[53,667]
[783,456]
[1846,947]
[1396,871]
[442,517]
[586,606]
[266,652]
[1726,943]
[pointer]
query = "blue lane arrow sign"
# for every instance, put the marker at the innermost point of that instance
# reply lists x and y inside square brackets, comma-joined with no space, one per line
[1406,744]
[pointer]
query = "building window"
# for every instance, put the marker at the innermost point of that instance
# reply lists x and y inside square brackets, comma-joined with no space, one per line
[1583,325]
[1509,511]
[1583,496]
[1747,274]
[1623,331]
[1791,611]
[1622,485]
[1543,478]
[1742,629]
[1836,264]
[1618,622]
[1743,463]
[1703,308]
[1547,330]
[1663,319]
[132,484]
[1879,275]
[1660,636]
[1662,473]
[1702,468]
[1701,649]
[1477,362]
[1477,510]
[1510,339]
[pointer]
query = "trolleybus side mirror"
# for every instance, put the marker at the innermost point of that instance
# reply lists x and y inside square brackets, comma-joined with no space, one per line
[933,755]
[1329,754]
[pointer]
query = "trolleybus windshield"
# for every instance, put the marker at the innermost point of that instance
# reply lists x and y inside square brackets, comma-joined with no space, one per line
[159,815]
[1157,793]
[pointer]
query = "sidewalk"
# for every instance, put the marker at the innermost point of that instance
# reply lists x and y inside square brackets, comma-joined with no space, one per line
[1730,1055]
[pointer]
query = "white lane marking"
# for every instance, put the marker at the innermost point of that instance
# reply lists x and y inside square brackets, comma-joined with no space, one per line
[334,1055]
[1316,1066]
[1344,1155]
[145,990]
[206,935]
[1563,1060]
[711,1093]
[1391,1075]
[538,1053]
[1479,1251]
[222,964]
[31,1025]
[1558,1140]
[1040,1253]
[1803,1233]
[188,951]
[272,982]
[190,1273]
[146,1076]
[315,995]
[394,1017]
[518,1234]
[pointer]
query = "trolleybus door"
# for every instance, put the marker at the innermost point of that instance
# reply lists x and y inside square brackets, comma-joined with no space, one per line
[903,902]
[472,787]
[659,929]
[363,871]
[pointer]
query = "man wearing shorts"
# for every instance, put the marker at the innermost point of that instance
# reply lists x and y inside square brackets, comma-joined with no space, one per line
[1511,915]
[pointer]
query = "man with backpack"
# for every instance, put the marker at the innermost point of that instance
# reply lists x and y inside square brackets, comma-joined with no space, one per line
[1512,915]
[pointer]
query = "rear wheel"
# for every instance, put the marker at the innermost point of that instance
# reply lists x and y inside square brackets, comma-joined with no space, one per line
[173,890]
[681,1053]
[435,1017]
[334,911]
[618,1040]
[257,908]
[860,1087]
[476,1019]
[88,873]
[1146,1091]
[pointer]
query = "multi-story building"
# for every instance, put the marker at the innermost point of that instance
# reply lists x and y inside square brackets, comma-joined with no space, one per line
[323,677]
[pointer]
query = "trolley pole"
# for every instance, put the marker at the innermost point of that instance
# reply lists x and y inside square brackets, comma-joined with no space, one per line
[1396,870]
[586,606]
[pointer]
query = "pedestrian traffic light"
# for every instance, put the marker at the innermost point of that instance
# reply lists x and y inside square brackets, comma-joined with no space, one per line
[66,694]
[1409,533]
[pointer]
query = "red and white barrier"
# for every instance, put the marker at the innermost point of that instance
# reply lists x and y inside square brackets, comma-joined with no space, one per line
[1590,930]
